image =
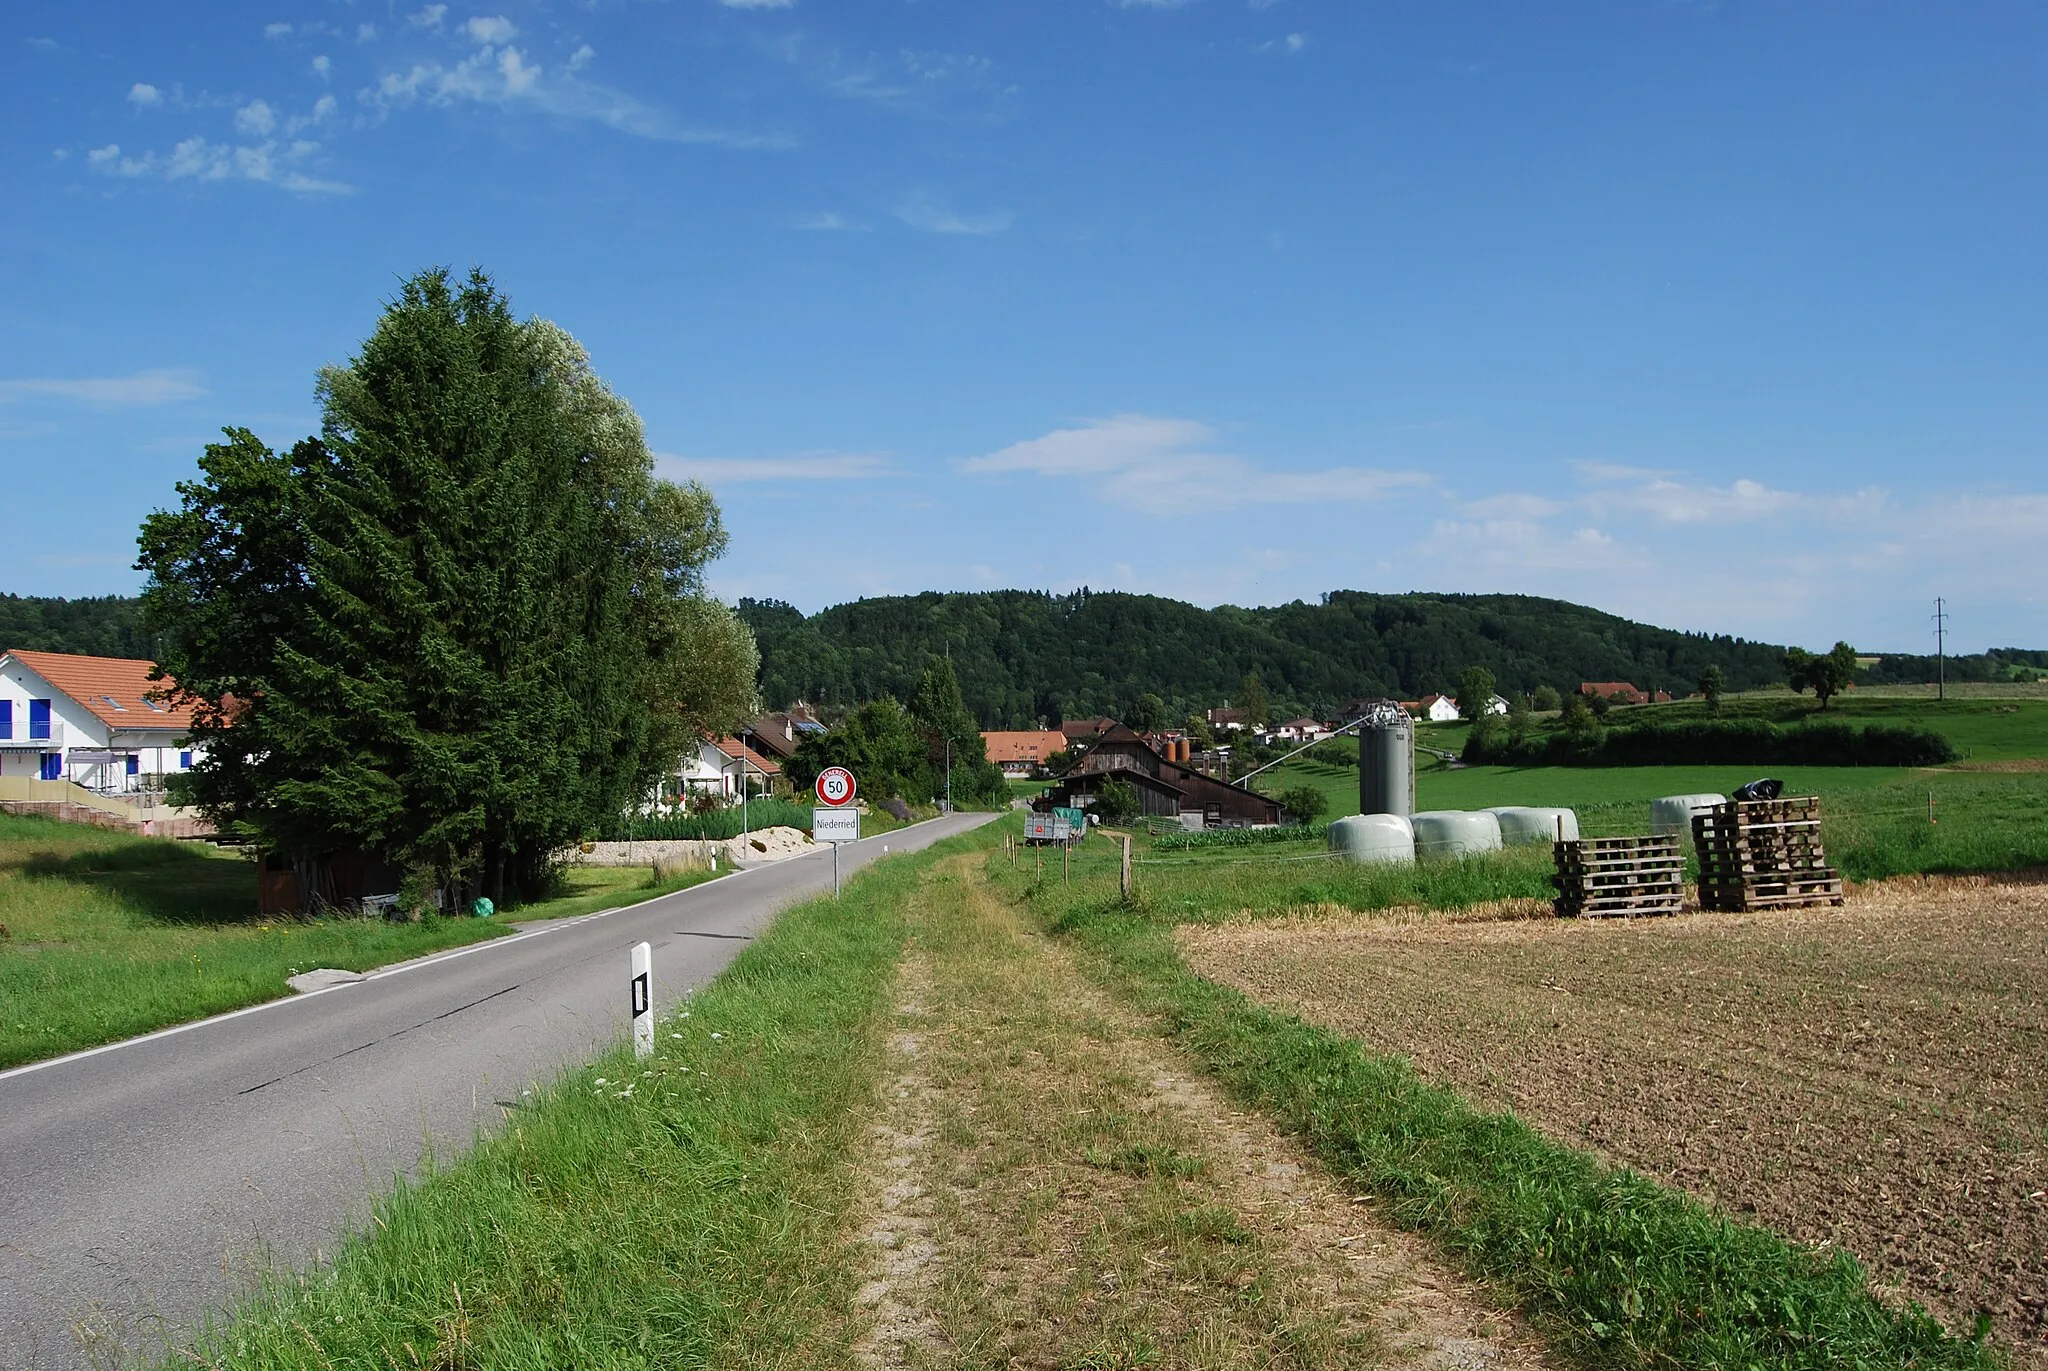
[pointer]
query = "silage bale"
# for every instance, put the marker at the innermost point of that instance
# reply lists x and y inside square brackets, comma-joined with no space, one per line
[1456,833]
[1373,838]
[1673,813]
[1529,824]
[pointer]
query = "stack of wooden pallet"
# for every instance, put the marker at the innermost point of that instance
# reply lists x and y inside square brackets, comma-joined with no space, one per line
[1619,876]
[1764,854]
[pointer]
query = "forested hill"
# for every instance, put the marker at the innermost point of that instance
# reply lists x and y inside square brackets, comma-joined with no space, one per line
[1023,656]
[97,626]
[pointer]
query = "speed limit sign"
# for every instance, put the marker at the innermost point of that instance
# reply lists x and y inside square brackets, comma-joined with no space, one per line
[835,786]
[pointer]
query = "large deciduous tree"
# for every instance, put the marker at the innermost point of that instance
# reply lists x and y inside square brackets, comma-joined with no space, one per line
[1826,674]
[463,626]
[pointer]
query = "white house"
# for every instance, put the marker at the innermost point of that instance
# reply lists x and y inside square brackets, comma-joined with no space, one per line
[1439,709]
[717,765]
[1297,731]
[99,722]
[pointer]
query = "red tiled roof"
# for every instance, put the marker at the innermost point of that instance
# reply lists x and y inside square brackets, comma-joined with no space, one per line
[1023,745]
[733,748]
[1605,689]
[115,690]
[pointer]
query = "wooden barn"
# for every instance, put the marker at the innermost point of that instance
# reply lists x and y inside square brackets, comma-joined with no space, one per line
[1166,790]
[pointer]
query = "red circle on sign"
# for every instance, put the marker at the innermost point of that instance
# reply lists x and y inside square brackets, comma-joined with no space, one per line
[835,786]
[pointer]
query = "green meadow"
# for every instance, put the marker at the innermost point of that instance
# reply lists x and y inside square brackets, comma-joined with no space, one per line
[104,935]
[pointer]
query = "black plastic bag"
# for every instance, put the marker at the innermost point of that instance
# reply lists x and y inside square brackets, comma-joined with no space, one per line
[1766,789]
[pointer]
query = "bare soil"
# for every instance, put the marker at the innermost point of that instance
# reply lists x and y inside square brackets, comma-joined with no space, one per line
[1873,1076]
[1050,1186]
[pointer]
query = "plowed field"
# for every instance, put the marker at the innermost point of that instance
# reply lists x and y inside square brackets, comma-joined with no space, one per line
[1874,1076]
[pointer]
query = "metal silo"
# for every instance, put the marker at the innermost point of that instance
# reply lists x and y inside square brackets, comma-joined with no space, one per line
[1386,761]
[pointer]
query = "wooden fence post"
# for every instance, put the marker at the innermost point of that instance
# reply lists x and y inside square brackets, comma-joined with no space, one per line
[1127,867]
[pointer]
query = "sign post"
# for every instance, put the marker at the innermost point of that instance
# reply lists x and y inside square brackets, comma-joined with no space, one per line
[835,821]
[643,1000]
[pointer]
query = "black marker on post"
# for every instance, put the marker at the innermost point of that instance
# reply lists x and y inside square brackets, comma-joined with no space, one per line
[643,1000]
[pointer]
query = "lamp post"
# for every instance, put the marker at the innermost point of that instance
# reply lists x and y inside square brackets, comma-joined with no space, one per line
[949,773]
[743,788]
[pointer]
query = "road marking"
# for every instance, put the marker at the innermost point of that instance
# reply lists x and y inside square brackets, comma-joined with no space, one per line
[401,968]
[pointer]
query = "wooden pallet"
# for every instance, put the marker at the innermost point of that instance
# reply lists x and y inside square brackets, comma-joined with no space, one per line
[1764,854]
[1618,877]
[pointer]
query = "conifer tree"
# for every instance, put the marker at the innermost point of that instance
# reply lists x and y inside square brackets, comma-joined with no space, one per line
[461,628]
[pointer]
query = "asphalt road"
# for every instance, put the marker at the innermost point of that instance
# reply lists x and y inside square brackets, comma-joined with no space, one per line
[142,1185]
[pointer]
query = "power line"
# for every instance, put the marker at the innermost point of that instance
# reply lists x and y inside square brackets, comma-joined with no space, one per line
[1940,650]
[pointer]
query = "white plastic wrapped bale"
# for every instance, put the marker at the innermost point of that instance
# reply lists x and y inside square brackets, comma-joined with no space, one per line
[1673,813]
[1374,838]
[1522,825]
[1455,833]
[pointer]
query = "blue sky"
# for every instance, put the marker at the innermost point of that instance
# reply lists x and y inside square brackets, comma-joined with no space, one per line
[1725,316]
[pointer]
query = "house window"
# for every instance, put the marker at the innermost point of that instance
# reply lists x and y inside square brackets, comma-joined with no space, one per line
[134,765]
[38,720]
[53,766]
[6,718]
[184,761]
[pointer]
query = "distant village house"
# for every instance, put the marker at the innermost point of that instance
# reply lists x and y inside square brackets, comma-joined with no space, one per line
[1166,789]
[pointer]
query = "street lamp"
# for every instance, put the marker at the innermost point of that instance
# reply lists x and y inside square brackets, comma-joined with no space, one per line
[949,773]
[743,788]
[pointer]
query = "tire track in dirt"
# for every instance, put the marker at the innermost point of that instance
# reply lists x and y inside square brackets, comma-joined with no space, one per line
[1050,1185]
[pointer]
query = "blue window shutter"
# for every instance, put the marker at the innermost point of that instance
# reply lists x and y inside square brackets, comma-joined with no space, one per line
[38,719]
[184,761]
[6,718]
[134,766]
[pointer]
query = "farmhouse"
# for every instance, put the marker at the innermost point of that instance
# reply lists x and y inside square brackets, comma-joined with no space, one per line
[99,722]
[1620,692]
[1438,709]
[777,735]
[718,764]
[1086,730]
[1021,754]
[1302,730]
[1228,719]
[1169,790]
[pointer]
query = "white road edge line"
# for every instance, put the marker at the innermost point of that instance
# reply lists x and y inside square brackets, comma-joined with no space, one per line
[432,959]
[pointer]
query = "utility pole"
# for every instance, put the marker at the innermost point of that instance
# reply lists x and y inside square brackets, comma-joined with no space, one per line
[949,762]
[1940,650]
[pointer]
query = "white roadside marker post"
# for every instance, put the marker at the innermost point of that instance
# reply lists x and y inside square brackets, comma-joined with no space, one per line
[643,1000]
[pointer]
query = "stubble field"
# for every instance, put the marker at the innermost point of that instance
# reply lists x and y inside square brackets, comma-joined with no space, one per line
[1869,1076]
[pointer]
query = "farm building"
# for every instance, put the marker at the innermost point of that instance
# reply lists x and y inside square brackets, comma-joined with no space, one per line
[777,735]
[1620,692]
[1438,709]
[1022,753]
[1168,790]
[717,765]
[98,722]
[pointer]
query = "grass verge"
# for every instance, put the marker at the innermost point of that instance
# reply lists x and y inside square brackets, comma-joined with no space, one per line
[1617,1270]
[685,1211]
[104,935]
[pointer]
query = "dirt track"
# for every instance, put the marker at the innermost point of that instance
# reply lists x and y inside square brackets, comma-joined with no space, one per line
[1874,1076]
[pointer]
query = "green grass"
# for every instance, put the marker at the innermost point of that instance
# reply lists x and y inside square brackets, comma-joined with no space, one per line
[1615,1269]
[683,1212]
[107,935]
[1982,728]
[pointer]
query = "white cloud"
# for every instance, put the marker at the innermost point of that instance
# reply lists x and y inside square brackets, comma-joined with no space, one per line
[278,30]
[830,221]
[802,466]
[492,30]
[144,95]
[1162,466]
[920,212]
[1666,501]
[143,388]
[255,119]
[321,66]
[428,18]
[580,58]
[1520,545]
[365,32]
[504,77]
[1296,42]
[197,159]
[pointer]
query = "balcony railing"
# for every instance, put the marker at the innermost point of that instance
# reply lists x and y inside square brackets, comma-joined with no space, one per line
[21,742]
